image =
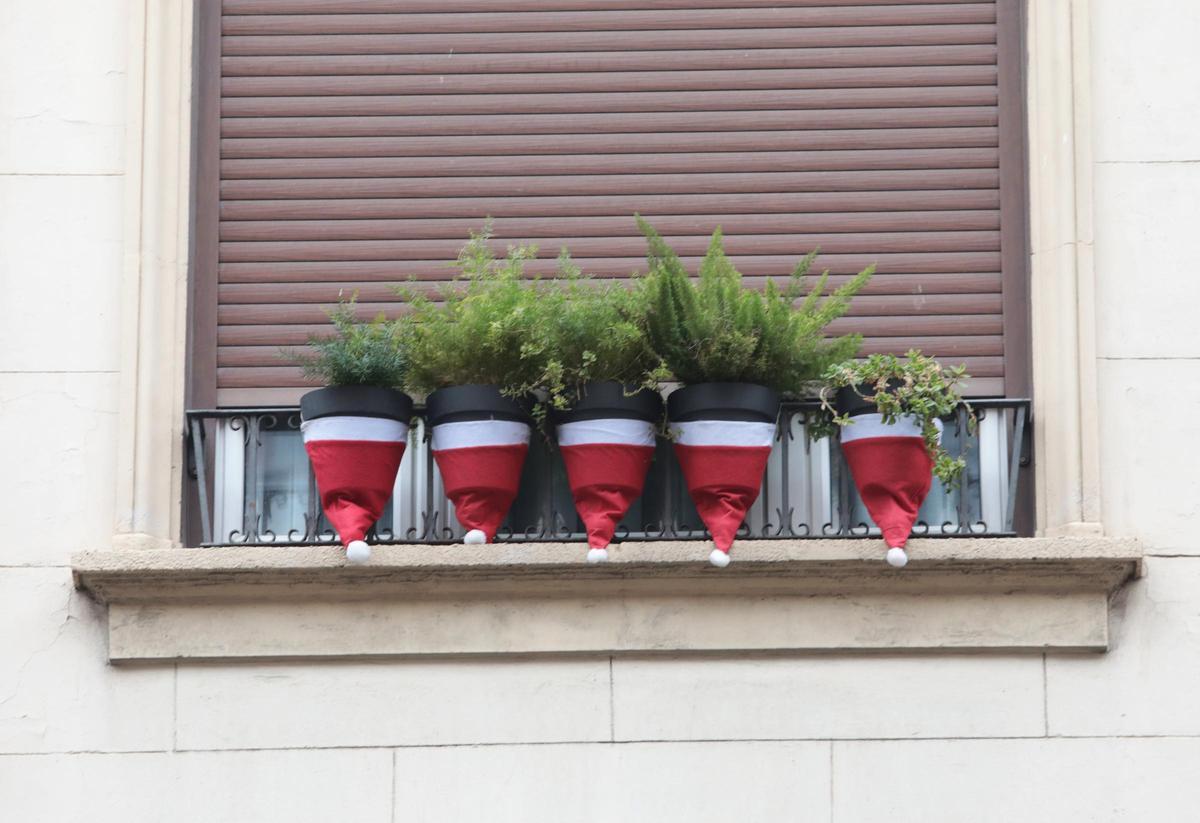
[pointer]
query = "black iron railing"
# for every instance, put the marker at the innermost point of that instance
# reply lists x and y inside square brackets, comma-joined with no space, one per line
[251,484]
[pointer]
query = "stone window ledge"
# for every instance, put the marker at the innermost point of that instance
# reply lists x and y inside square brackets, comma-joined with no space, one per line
[956,594]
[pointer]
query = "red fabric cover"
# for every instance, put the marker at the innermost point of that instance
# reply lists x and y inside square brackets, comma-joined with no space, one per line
[482,483]
[605,479]
[724,482]
[355,479]
[893,476]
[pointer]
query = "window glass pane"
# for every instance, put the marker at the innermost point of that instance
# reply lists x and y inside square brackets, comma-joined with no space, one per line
[282,493]
[282,483]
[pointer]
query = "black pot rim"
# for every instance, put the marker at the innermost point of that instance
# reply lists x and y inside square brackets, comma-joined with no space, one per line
[356,401]
[459,404]
[848,400]
[608,399]
[744,402]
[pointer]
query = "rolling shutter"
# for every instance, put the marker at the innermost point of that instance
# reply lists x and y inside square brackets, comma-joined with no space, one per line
[347,145]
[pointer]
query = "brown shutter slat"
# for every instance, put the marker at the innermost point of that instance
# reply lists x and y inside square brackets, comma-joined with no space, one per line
[793,203]
[361,140]
[764,141]
[524,42]
[247,377]
[626,81]
[614,61]
[956,330]
[763,265]
[242,357]
[679,163]
[590,21]
[576,185]
[324,125]
[959,325]
[558,227]
[599,247]
[239,7]
[433,105]
[864,306]
[326,293]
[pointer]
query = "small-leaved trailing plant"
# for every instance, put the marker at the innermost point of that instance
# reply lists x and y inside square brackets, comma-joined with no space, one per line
[714,330]
[589,330]
[476,333]
[914,385]
[357,353]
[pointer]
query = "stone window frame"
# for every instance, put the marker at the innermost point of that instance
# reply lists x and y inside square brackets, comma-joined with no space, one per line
[158,230]
[161,595]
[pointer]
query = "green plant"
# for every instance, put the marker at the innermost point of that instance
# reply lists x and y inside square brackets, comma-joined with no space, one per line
[714,330]
[477,331]
[589,331]
[356,354]
[914,385]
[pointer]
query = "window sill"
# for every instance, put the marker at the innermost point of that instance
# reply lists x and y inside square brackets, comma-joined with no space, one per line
[999,594]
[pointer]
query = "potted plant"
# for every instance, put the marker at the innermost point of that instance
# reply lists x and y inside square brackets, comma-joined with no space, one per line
[887,411]
[600,378]
[736,351]
[465,354]
[355,429]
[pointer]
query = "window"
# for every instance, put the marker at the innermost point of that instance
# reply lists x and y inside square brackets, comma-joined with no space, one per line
[1036,594]
[353,150]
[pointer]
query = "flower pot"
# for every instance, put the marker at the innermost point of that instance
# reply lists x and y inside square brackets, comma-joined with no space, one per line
[607,443]
[849,400]
[890,466]
[723,437]
[479,439]
[355,438]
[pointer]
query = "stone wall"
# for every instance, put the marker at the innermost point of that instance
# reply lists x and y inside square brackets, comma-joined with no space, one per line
[1113,737]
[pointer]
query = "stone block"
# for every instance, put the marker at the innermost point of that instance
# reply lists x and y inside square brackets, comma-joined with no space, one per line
[57,691]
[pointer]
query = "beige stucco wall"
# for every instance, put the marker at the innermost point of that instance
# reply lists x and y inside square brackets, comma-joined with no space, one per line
[816,738]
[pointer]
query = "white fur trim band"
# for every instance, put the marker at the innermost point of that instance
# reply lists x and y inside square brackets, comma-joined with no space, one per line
[872,425]
[379,429]
[723,433]
[609,430]
[479,433]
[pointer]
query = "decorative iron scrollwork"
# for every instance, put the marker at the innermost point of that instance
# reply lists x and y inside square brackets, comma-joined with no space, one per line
[786,509]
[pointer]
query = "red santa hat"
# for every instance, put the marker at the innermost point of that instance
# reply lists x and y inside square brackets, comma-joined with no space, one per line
[480,462]
[723,463]
[480,439]
[723,435]
[355,458]
[892,471]
[607,461]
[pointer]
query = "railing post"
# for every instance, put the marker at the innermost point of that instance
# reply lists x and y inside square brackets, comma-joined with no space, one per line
[787,420]
[250,491]
[963,432]
[1020,420]
[206,526]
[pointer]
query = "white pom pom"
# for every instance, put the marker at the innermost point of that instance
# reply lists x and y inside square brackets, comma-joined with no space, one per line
[358,552]
[719,558]
[897,557]
[474,537]
[597,555]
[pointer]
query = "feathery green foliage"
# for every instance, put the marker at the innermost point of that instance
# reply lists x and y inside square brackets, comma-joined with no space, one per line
[713,330]
[915,385]
[476,334]
[356,354]
[589,330]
